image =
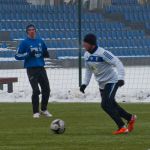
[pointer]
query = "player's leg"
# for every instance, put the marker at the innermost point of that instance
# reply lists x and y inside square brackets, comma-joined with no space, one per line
[45,87]
[33,79]
[131,119]
[123,113]
[108,106]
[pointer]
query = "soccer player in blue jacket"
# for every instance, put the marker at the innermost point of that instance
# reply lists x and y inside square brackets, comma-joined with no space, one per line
[33,51]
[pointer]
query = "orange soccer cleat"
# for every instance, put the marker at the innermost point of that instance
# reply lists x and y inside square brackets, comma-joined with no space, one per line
[131,123]
[122,130]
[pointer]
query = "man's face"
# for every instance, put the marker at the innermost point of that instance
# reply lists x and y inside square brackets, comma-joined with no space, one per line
[88,47]
[31,32]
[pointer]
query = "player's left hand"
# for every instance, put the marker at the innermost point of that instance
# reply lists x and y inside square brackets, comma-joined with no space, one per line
[32,53]
[46,54]
[82,88]
[120,83]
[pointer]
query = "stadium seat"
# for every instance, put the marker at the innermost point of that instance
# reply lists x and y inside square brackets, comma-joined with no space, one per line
[60,24]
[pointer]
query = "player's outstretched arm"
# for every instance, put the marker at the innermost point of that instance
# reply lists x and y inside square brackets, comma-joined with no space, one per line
[87,78]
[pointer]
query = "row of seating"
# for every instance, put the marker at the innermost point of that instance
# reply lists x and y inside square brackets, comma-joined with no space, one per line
[7,53]
[130,43]
[38,8]
[58,25]
[50,17]
[123,52]
[62,25]
[40,25]
[109,43]
[124,2]
[62,44]
[3,45]
[8,2]
[101,25]
[73,52]
[137,17]
[147,25]
[127,9]
[130,51]
[67,53]
[133,13]
[122,34]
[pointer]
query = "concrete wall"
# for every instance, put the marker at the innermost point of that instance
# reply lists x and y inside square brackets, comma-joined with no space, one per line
[37,2]
[47,2]
[143,1]
[41,2]
[95,4]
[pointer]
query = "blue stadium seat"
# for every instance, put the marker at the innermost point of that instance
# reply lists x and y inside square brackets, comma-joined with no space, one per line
[60,24]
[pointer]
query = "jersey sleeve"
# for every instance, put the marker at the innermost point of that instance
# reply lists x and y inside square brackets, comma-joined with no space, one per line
[113,60]
[88,74]
[45,51]
[21,52]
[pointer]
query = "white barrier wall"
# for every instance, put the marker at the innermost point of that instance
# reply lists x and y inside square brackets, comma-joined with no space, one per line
[41,2]
[64,86]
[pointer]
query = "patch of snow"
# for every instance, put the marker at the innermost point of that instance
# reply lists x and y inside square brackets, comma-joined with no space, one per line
[64,86]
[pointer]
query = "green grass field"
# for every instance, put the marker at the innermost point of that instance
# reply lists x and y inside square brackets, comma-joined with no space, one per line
[88,128]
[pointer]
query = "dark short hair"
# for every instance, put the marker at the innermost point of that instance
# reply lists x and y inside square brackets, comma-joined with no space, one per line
[29,26]
[91,39]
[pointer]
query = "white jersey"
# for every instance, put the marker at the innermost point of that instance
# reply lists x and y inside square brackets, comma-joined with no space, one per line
[102,64]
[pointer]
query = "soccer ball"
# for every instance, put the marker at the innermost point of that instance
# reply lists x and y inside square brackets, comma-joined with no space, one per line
[58,126]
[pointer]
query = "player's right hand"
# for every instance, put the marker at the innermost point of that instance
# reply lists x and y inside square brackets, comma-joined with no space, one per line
[32,53]
[120,83]
[82,88]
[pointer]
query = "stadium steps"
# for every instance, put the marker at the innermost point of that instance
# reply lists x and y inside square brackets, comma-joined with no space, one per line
[120,18]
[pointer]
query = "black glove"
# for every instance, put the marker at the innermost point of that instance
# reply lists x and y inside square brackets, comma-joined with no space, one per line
[120,83]
[82,88]
[32,53]
[46,54]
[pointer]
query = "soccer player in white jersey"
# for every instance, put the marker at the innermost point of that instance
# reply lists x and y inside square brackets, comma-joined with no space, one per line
[102,64]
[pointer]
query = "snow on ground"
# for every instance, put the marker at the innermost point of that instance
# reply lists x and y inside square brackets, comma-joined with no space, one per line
[4,49]
[64,86]
[7,59]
